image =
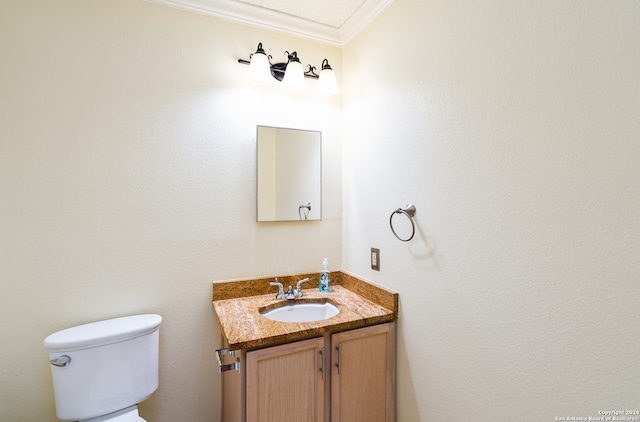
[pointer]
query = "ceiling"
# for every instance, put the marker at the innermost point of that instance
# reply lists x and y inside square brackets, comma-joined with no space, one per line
[329,21]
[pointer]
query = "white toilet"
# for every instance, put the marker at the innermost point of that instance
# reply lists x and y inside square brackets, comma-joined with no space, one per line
[102,370]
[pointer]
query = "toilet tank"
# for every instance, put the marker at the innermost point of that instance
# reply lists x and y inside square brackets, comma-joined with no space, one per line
[112,364]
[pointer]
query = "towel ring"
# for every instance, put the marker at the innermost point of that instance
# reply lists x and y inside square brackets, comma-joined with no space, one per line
[303,210]
[409,210]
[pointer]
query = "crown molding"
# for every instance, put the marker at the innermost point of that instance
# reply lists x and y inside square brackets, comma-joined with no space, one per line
[276,21]
[361,18]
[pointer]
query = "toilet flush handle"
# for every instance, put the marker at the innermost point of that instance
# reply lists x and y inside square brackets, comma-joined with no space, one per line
[62,361]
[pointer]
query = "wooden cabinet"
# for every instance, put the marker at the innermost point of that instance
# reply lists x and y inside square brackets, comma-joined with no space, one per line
[363,376]
[285,383]
[344,377]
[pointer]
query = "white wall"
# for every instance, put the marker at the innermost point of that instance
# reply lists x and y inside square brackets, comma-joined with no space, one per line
[127,180]
[513,127]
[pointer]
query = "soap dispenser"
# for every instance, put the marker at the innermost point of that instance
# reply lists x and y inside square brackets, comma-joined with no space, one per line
[325,283]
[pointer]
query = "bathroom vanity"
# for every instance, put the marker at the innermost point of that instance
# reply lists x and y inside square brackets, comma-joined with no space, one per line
[337,369]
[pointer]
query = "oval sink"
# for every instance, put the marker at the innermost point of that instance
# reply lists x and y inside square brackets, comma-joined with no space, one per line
[302,312]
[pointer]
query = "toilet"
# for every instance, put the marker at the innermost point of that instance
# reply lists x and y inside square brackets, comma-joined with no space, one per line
[102,370]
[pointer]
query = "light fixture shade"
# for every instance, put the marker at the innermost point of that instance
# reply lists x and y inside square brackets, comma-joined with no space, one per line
[294,75]
[327,83]
[259,68]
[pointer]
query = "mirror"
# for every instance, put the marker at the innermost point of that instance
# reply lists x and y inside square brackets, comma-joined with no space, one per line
[289,174]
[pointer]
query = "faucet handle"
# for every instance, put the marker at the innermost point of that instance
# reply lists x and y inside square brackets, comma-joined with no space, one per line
[298,292]
[304,280]
[280,294]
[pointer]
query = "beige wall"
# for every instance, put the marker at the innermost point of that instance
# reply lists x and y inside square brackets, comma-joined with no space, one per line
[127,172]
[514,128]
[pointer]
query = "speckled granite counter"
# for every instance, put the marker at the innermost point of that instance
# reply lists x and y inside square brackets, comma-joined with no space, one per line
[237,304]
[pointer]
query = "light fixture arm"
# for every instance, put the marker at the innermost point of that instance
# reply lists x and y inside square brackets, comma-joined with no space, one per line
[292,57]
[311,72]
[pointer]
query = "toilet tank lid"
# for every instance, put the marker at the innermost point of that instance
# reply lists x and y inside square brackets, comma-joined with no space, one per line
[102,332]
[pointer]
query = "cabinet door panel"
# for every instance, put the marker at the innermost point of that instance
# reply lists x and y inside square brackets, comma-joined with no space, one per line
[284,383]
[362,382]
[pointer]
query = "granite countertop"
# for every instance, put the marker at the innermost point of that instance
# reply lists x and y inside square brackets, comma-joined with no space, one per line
[237,304]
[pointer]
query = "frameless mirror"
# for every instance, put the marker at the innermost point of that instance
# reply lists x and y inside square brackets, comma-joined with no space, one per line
[289,174]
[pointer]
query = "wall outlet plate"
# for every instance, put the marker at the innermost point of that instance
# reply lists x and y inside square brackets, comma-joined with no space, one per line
[375,259]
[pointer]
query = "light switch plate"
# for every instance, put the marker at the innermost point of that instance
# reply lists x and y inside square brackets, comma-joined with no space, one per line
[375,259]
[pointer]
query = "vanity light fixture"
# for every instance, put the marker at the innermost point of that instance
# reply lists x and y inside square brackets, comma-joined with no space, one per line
[291,73]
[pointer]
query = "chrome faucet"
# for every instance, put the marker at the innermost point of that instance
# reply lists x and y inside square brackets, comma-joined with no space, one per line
[290,293]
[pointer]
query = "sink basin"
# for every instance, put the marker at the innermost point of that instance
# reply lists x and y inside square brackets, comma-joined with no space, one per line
[302,312]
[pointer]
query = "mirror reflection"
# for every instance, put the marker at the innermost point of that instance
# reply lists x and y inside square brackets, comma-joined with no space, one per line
[289,174]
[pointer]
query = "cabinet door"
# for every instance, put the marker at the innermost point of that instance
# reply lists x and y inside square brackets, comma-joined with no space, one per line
[363,375]
[285,383]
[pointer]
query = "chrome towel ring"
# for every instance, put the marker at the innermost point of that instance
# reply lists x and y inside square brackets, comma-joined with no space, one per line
[304,210]
[409,210]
